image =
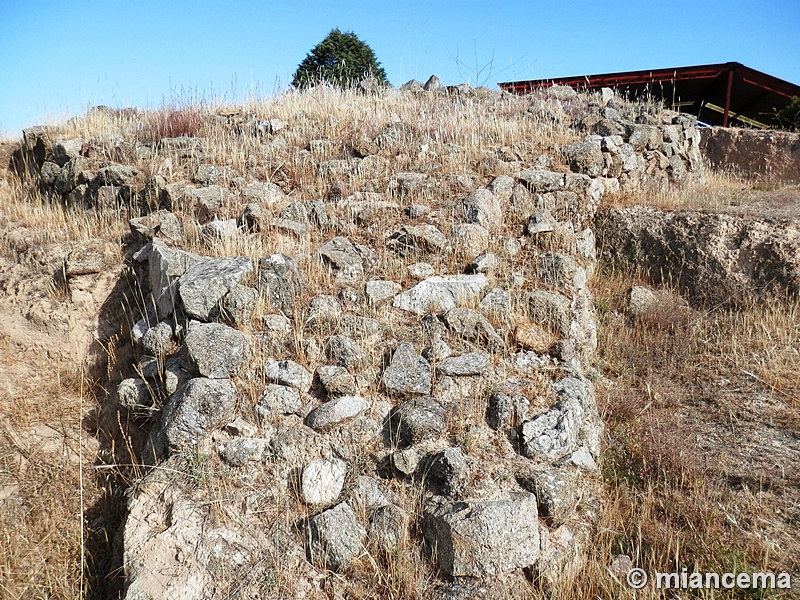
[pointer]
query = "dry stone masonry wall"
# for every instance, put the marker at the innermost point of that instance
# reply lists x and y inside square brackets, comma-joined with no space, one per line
[418,379]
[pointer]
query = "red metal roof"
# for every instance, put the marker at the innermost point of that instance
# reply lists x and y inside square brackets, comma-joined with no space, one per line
[721,94]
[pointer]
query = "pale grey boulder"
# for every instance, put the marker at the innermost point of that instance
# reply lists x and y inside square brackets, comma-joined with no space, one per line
[441,293]
[206,282]
[166,265]
[322,481]
[415,421]
[278,399]
[281,280]
[335,412]
[334,538]
[194,410]
[289,373]
[472,363]
[216,350]
[482,538]
[408,373]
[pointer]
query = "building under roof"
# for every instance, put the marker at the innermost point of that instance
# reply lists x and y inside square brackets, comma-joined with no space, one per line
[723,94]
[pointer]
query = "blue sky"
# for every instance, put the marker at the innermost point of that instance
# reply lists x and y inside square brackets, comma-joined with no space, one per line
[60,58]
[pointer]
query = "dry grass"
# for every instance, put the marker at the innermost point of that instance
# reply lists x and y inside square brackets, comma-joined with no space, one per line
[687,394]
[720,191]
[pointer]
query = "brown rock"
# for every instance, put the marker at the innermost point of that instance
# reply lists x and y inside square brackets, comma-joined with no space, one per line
[533,337]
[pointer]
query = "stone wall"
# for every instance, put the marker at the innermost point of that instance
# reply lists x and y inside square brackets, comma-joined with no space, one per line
[769,155]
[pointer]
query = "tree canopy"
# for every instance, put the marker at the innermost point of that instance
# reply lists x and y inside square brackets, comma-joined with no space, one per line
[341,59]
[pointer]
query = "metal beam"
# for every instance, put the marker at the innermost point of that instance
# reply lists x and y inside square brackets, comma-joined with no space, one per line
[728,97]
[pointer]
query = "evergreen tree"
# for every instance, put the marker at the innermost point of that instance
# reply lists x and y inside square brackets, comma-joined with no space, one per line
[341,59]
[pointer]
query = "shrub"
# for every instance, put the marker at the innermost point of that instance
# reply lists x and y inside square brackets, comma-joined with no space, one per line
[170,122]
[342,60]
[789,116]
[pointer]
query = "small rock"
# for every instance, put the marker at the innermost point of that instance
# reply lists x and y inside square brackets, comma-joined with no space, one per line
[336,411]
[289,373]
[415,421]
[472,363]
[387,528]
[240,451]
[553,434]
[336,380]
[278,399]
[407,373]
[506,410]
[440,293]
[322,481]
[216,350]
[218,229]
[334,538]
[379,292]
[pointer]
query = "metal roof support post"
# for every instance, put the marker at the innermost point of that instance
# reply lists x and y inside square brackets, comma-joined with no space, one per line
[728,97]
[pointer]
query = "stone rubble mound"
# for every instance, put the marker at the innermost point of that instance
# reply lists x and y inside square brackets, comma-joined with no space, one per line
[414,377]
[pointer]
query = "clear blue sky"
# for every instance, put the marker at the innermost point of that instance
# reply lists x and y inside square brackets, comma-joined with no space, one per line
[58,58]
